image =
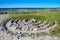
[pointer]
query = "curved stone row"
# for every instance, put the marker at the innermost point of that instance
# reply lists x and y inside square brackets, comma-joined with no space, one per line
[4,36]
[20,27]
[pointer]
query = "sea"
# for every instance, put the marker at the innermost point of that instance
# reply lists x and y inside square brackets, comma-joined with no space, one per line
[25,8]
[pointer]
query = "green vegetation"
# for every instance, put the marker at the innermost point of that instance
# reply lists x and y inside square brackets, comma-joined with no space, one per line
[40,15]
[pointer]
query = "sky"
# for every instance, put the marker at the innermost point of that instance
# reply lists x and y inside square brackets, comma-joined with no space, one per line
[29,3]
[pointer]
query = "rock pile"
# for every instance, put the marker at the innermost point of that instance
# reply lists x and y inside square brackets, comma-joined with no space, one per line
[24,28]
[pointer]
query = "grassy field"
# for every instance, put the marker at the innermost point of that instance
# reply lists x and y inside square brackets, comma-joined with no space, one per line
[40,15]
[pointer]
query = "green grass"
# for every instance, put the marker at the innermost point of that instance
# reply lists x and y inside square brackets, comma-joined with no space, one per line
[28,16]
[40,15]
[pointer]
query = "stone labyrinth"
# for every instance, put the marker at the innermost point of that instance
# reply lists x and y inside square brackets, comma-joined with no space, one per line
[27,28]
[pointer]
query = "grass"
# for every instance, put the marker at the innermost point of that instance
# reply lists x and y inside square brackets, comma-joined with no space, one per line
[40,15]
[26,16]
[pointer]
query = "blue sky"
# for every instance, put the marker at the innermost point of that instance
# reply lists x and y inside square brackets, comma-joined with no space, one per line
[29,3]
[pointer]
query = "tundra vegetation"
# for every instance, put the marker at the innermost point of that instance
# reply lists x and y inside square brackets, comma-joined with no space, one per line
[49,16]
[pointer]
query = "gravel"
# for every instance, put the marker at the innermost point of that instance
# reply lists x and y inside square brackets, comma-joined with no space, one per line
[4,36]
